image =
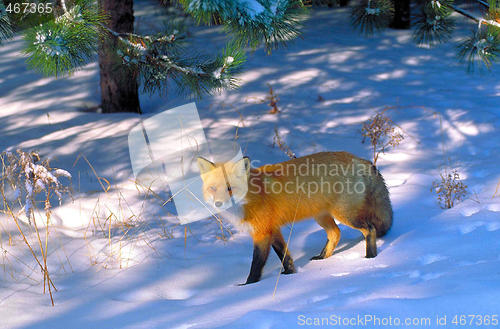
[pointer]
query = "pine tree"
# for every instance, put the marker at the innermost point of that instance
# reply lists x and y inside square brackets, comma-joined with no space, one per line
[433,24]
[401,18]
[67,37]
[119,84]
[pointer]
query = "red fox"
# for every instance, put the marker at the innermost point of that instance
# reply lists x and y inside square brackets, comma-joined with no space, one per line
[324,186]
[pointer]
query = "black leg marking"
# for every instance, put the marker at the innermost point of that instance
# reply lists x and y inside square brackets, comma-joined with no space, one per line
[286,259]
[260,254]
[371,243]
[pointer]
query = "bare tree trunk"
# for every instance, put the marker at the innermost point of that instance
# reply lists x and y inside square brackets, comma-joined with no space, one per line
[401,14]
[119,87]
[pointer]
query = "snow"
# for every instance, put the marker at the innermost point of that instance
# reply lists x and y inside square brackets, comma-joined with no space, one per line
[372,11]
[29,187]
[433,263]
[61,172]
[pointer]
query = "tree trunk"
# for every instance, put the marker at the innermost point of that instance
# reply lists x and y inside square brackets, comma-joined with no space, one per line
[401,14]
[343,3]
[119,87]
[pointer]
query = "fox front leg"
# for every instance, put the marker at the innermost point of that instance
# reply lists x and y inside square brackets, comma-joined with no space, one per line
[260,253]
[281,250]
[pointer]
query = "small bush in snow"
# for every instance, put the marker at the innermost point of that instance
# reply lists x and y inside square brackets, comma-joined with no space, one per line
[28,176]
[449,189]
[383,134]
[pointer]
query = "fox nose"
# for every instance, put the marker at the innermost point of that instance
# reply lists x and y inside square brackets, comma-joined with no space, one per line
[218,204]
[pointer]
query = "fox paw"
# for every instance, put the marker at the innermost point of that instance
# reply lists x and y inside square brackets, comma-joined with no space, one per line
[249,281]
[289,271]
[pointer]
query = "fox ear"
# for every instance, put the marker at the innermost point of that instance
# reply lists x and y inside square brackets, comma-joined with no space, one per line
[243,166]
[205,165]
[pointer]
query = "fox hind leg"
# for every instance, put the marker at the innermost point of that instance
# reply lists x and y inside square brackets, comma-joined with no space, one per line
[281,250]
[370,235]
[327,222]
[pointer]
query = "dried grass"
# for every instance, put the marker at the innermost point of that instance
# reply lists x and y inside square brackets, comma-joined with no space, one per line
[28,183]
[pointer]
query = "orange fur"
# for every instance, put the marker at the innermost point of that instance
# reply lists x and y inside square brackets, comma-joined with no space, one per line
[267,212]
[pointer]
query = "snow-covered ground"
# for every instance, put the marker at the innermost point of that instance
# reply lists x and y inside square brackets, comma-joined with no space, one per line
[155,274]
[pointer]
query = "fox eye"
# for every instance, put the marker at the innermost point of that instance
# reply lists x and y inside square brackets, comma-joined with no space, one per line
[212,188]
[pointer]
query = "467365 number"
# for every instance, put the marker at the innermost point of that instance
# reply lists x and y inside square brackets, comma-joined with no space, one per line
[29,8]
[475,319]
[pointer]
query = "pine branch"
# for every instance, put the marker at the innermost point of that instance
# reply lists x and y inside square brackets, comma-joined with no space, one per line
[464,12]
[470,15]
[5,25]
[70,41]
[65,43]
[156,60]
[126,36]
[372,15]
[200,75]
[484,3]
[268,22]
[434,25]
[62,4]
[483,44]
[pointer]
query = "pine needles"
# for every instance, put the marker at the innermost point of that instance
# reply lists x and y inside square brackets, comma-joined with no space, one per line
[66,43]
[434,24]
[372,15]
[482,45]
[5,25]
[271,23]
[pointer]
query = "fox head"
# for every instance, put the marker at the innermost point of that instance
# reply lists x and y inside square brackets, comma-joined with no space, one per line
[224,183]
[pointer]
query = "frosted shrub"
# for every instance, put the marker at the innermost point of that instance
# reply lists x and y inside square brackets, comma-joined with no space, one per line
[29,183]
[383,134]
[28,176]
[449,189]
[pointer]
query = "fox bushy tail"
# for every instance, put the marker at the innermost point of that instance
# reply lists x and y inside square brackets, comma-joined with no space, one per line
[381,204]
